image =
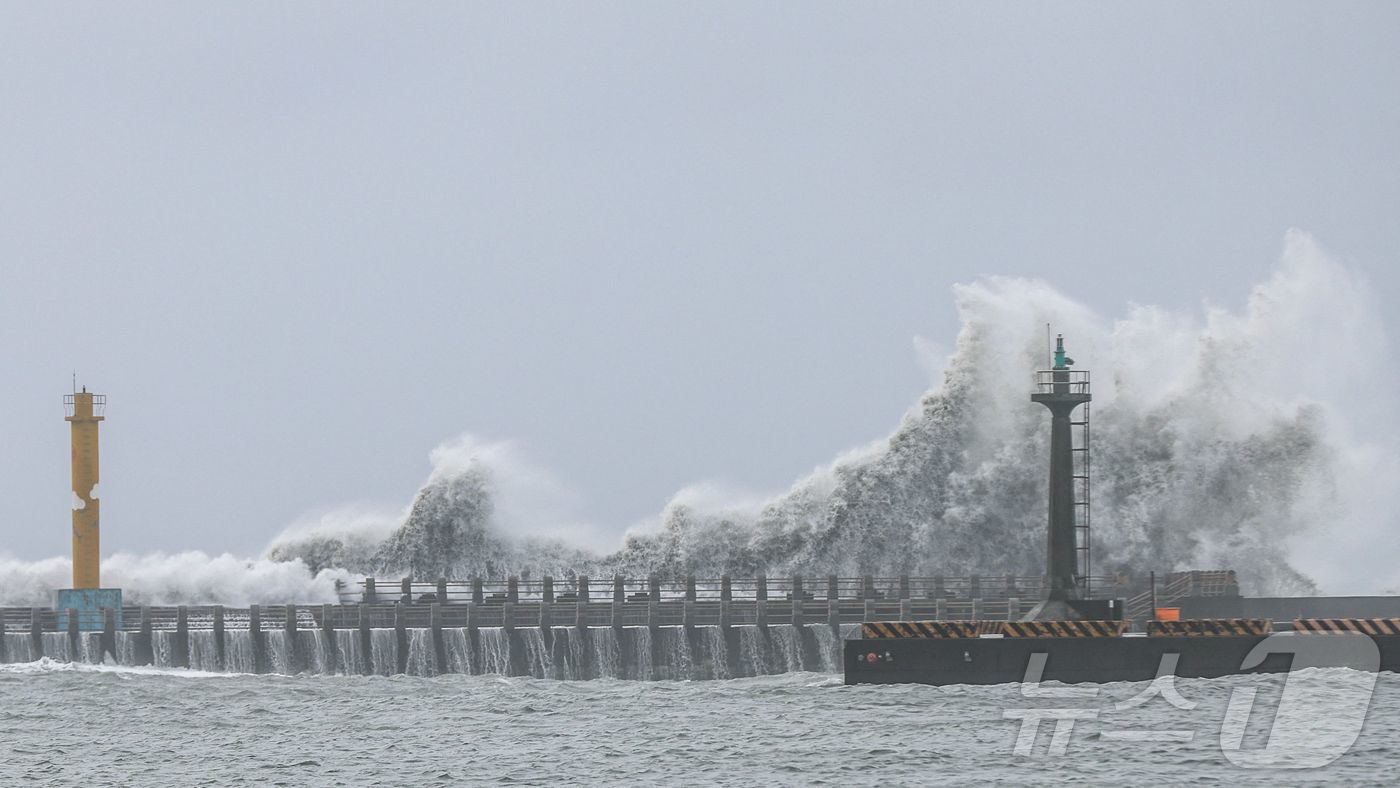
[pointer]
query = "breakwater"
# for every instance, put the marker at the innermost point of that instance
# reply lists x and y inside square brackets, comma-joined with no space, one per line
[561,653]
[639,641]
[298,640]
[648,630]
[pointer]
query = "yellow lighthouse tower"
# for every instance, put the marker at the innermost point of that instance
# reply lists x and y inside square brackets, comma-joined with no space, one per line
[86,598]
[84,414]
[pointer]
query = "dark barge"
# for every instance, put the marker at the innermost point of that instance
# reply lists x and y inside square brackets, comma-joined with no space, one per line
[1072,658]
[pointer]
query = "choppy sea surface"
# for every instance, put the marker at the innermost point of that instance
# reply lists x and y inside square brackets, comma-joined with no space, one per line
[63,724]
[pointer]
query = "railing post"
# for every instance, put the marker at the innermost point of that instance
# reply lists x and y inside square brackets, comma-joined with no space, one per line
[906,609]
[690,594]
[726,588]
[869,609]
[940,589]
[512,589]
[442,590]
[867,583]
[761,588]
[833,615]
[478,592]
[619,591]
[974,587]
[548,590]
[940,609]
[508,616]
[833,588]
[369,596]
[796,611]
[406,590]
[654,588]
[582,586]
[796,587]
[904,588]
[1013,609]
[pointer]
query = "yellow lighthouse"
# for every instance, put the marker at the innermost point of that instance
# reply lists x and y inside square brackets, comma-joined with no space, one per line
[87,599]
[84,414]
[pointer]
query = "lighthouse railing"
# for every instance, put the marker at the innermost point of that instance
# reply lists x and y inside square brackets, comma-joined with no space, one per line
[1062,381]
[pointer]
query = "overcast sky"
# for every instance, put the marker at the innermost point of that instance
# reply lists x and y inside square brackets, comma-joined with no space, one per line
[299,245]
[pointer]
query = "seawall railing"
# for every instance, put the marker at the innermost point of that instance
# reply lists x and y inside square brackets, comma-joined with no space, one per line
[1167,589]
[657,589]
[513,615]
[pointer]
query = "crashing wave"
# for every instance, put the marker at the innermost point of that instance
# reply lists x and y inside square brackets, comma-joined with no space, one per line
[189,578]
[1218,443]
[1213,447]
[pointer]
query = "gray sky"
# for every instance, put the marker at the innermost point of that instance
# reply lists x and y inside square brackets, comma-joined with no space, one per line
[299,245]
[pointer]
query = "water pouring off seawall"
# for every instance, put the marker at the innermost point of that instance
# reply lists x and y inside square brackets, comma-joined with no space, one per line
[561,653]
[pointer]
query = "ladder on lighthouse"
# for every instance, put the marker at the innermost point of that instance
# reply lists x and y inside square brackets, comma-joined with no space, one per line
[1082,465]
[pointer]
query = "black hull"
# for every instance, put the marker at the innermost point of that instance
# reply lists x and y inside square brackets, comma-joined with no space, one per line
[1083,660]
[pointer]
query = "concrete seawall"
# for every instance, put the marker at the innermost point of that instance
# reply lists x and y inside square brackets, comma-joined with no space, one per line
[617,627]
[576,640]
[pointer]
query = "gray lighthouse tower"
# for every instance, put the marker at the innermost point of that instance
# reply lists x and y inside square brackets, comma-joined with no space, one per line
[1062,390]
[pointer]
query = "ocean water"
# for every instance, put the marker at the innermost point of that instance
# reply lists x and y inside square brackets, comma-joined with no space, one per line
[71,724]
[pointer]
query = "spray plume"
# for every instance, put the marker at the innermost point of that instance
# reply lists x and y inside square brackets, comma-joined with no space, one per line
[1218,443]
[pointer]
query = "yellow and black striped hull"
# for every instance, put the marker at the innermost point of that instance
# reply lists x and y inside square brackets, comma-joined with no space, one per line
[1001,652]
[889,630]
[1338,626]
